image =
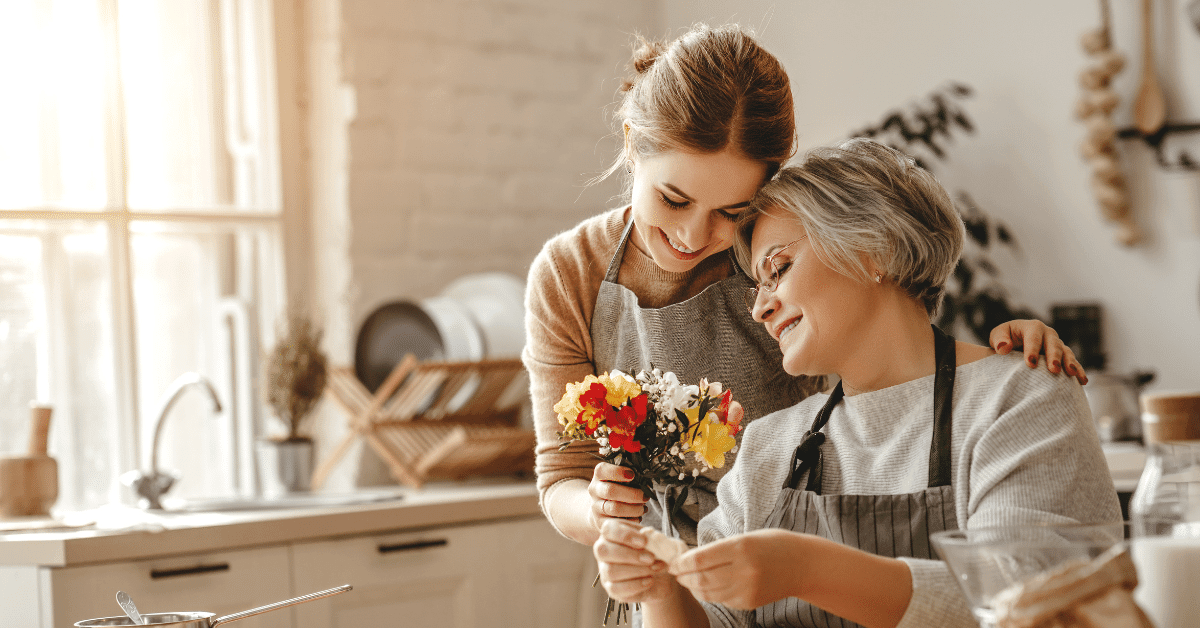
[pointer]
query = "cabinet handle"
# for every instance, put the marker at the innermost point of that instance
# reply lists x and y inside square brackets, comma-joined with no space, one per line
[188,571]
[414,545]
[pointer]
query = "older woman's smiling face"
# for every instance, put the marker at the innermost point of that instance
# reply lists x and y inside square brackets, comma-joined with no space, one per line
[814,311]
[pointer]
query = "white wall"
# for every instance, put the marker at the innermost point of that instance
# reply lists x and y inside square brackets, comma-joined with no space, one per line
[462,132]
[448,137]
[853,60]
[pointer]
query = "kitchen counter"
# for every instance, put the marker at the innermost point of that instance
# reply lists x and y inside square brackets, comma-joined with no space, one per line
[438,504]
[1125,462]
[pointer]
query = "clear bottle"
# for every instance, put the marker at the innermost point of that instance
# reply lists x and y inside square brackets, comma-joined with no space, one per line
[1165,511]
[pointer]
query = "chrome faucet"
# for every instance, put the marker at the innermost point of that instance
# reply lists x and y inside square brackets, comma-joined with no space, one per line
[152,485]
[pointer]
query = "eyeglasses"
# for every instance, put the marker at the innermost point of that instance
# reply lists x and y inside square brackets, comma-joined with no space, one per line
[772,281]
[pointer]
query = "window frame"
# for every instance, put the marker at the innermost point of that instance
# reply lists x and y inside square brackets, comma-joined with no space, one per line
[266,30]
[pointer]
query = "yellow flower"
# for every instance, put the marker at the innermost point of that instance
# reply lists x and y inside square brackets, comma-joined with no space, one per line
[692,414]
[568,408]
[712,441]
[621,388]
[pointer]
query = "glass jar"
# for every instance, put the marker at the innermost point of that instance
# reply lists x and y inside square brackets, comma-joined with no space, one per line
[1165,511]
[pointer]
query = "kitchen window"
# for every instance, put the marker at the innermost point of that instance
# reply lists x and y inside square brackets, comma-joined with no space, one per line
[140,233]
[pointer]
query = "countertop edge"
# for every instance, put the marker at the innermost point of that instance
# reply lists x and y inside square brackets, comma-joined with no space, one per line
[261,529]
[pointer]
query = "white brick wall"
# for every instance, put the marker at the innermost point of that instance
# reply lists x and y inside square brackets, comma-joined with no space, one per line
[446,138]
[477,124]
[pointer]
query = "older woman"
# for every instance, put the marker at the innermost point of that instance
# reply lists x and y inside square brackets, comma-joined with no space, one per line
[828,509]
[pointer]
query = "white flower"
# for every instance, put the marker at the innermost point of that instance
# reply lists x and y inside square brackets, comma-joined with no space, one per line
[682,475]
[615,374]
[671,426]
[714,389]
[675,450]
[695,472]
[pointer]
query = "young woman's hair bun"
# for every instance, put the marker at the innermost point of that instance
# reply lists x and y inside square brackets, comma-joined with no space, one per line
[644,56]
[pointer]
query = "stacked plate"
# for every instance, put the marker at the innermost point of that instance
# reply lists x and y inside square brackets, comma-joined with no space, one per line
[479,316]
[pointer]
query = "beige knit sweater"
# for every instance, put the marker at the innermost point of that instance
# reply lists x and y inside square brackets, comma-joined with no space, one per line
[560,297]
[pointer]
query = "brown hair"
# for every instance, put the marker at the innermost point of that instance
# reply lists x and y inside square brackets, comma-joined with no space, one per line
[862,199]
[709,90]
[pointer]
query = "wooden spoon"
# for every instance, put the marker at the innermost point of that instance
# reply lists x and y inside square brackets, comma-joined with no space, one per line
[1150,108]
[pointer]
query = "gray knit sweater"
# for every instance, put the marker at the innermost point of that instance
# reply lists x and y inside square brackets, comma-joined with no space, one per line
[1023,450]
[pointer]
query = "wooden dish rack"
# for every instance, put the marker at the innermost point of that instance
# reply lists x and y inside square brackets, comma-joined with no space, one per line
[426,422]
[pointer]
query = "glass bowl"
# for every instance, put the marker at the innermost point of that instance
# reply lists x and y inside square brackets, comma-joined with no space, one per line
[986,561]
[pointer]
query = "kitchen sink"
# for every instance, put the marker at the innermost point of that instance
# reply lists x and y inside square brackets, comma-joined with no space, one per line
[283,502]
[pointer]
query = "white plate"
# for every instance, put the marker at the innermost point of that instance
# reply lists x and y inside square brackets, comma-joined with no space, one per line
[496,302]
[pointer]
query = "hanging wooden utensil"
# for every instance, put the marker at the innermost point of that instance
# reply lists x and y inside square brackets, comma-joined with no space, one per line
[1150,107]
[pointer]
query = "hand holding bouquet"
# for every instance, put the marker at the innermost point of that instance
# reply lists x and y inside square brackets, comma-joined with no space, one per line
[651,424]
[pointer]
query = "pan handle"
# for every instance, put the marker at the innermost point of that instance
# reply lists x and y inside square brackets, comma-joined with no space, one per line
[278,605]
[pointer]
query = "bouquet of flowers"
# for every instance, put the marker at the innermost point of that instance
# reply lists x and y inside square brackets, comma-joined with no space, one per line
[651,424]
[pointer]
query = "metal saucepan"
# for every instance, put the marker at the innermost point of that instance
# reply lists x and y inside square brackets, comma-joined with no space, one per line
[205,620]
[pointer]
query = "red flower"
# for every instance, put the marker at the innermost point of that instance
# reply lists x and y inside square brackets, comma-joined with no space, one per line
[722,408]
[722,411]
[625,422]
[595,409]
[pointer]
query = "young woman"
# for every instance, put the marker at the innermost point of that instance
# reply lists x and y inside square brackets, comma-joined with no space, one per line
[828,510]
[707,120]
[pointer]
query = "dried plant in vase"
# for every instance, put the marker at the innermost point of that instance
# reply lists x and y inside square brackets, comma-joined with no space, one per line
[295,379]
[296,375]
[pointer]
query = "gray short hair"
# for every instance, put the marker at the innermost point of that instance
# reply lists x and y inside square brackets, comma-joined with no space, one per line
[863,203]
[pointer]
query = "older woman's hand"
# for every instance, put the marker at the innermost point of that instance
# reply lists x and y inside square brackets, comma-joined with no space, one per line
[628,571]
[1035,337]
[743,571]
[611,499]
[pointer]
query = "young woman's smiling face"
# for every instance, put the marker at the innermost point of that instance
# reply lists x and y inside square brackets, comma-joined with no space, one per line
[814,311]
[685,204]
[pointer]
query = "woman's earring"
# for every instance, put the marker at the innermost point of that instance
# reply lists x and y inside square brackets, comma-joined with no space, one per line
[878,277]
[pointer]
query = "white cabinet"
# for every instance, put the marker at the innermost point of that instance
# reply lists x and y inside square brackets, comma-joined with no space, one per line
[507,573]
[221,583]
[514,572]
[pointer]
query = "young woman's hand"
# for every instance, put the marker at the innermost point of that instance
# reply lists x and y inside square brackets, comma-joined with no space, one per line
[743,571]
[628,571]
[1035,337]
[611,499]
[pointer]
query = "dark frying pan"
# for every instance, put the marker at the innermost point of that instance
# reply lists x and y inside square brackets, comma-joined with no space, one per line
[391,331]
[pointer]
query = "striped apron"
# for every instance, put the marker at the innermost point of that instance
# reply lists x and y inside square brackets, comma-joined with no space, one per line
[710,335]
[885,525]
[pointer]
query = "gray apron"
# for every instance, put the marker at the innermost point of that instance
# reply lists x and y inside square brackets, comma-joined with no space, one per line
[710,335]
[884,525]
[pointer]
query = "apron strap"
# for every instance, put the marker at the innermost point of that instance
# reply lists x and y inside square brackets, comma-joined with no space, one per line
[614,265]
[943,400]
[808,455]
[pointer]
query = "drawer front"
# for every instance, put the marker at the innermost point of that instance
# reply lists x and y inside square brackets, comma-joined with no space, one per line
[516,572]
[421,578]
[221,583]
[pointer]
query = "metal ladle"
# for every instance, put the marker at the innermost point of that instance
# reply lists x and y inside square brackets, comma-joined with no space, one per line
[129,607]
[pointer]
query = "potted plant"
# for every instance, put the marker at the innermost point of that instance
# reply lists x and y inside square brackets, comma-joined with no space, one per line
[295,375]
